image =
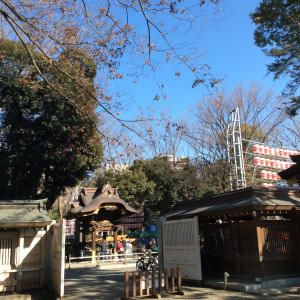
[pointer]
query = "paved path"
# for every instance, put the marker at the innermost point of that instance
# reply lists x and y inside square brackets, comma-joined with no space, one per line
[83,282]
[91,283]
[193,292]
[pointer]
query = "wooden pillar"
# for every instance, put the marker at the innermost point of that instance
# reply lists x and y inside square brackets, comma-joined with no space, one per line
[93,243]
[115,241]
[235,234]
[20,258]
[258,244]
[295,239]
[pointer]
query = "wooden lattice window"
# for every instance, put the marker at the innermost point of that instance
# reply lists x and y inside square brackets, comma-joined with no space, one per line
[220,240]
[5,250]
[277,240]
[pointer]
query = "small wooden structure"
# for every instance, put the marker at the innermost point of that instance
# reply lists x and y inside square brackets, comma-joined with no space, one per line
[98,210]
[252,233]
[153,283]
[25,258]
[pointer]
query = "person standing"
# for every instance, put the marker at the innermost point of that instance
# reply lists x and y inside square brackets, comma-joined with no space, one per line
[124,245]
[110,249]
[120,250]
[153,244]
[103,249]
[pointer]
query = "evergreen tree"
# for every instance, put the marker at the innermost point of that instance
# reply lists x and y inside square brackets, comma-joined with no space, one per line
[277,33]
[47,143]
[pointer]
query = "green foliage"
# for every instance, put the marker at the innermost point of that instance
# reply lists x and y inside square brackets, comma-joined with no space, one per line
[173,183]
[154,184]
[47,143]
[214,178]
[277,33]
[55,216]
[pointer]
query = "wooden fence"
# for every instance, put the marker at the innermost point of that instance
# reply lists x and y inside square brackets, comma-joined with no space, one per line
[13,286]
[154,283]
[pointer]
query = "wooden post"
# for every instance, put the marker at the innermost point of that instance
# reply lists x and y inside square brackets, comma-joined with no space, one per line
[115,241]
[93,244]
[153,283]
[160,281]
[133,284]
[260,247]
[235,239]
[173,280]
[141,283]
[98,259]
[147,283]
[166,281]
[179,279]
[69,261]
[126,285]
[13,286]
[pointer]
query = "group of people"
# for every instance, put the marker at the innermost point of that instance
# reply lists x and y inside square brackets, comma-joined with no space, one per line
[107,248]
[151,245]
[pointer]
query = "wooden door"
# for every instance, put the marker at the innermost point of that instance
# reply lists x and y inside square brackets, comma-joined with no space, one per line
[181,247]
[58,258]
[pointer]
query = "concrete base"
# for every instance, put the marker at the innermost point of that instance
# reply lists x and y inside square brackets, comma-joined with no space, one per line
[276,286]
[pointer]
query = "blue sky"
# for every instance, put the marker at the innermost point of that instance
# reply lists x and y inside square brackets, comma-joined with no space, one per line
[227,46]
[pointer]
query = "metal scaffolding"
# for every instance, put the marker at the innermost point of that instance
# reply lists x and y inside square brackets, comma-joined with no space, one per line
[235,151]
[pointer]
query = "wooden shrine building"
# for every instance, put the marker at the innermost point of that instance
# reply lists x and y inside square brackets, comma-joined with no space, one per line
[99,210]
[252,233]
[31,248]
[292,174]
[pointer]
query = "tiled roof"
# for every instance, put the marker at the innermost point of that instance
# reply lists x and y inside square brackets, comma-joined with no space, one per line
[249,198]
[91,199]
[23,213]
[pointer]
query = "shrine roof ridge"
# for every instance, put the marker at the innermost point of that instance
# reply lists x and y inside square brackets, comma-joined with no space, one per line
[248,199]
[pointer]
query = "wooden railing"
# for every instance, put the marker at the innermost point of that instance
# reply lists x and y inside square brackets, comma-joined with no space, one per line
[153,283]
[8,286]
[13,286]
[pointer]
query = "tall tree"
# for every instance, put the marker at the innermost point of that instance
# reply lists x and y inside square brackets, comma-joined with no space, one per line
[47,144]
[277,33]
[126,39]
[206,131]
